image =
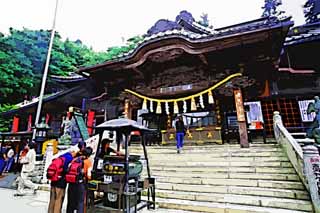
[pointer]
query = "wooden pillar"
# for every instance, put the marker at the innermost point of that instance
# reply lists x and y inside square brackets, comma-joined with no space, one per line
[243,132]
[127,109]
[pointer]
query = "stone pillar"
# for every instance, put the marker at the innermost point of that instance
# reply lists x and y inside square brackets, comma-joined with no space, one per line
[277,120]
[311,161]
[243,132]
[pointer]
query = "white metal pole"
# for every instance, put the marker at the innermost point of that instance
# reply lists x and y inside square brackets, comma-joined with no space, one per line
[45,73]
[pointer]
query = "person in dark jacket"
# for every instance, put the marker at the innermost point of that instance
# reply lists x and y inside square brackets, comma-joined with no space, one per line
[77,192]
[58,188]
[180,131]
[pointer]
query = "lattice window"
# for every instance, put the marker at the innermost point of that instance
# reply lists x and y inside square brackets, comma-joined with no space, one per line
[268,107]
[289,111]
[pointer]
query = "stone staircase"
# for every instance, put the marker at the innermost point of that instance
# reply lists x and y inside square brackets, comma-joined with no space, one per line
[226,178]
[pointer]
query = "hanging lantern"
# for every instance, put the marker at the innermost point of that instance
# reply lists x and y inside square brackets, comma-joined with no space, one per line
[175,108]
[201,102]
[193,104]
[184,107]
[158,110]
[167,108]
[144,104]
[151,106]
[210,98]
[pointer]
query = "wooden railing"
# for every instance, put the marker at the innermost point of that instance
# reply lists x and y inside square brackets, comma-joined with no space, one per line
[304,158]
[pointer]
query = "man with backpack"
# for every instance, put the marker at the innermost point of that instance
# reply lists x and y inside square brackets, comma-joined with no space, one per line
[78,174]
[56,173]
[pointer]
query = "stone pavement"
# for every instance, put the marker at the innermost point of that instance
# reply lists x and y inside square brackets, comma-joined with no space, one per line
[7,180]
[39,203]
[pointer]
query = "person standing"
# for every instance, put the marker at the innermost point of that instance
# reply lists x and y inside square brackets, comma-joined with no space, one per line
[58,188]
[77,192]
[28,165]
[10,159]
[180,131]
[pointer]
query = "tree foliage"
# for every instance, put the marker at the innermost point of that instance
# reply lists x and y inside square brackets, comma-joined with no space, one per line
[312,11]
[4,123]
[22,59]
[270,8]
[23,54]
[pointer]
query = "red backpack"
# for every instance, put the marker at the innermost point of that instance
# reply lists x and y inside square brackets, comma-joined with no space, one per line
[55,170]
[75,171]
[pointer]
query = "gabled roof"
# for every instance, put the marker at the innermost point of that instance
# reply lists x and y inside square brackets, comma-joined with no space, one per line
[72,77]
[33,102]
[190,33]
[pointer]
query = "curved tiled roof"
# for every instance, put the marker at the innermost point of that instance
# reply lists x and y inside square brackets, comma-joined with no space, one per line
[302,34]
[185,34]
[72,77]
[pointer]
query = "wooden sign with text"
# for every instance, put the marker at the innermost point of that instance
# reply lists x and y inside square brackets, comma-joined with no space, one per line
[239,105]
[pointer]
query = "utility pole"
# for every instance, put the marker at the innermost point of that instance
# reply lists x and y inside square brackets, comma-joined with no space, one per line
[45,73]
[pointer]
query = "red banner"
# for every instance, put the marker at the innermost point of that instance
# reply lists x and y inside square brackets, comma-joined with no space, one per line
[90,121]
[29,128]
[47,118]
[15,124]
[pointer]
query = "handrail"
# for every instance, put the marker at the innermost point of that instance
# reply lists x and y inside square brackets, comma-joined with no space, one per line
[291,140]
[302,158]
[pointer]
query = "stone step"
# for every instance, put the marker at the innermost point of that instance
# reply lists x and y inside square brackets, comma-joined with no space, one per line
[193,150]
[226,175]
[276,184]
[258,191]
[214,207]
[218,167]
[284,203]
[259,162]
[212,157]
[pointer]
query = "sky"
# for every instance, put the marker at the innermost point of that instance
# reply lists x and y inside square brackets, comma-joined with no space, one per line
[104,23]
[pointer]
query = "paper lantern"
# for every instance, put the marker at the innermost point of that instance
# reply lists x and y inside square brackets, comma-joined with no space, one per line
[210,98]
[175,108]
[144,104]
[193,104]
[158,110]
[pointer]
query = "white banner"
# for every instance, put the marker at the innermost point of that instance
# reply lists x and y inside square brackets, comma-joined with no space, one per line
[303,106]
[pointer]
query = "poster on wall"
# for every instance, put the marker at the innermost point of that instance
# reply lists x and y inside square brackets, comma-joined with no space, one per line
[303,106]
[254,114]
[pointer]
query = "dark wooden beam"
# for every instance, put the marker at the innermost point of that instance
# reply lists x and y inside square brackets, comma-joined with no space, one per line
[136,70]
[203,59]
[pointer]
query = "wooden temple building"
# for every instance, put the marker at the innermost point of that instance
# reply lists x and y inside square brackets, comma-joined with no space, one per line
[182,67]
[223,81]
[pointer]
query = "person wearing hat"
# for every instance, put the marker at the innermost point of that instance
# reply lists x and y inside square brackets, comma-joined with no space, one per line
[77,191]
[28,165]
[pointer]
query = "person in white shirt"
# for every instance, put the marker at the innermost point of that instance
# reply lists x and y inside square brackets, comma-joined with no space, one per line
[10,159]
[28,165]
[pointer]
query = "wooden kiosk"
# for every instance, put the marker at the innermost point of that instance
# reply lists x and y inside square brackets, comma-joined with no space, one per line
[118,177]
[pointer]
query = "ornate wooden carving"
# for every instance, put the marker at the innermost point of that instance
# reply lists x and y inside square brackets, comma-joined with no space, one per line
[166,55]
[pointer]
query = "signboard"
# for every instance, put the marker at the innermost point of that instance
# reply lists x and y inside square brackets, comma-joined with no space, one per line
[93,143]
[81,125]
[303,106]
[239,105]
[254,115]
